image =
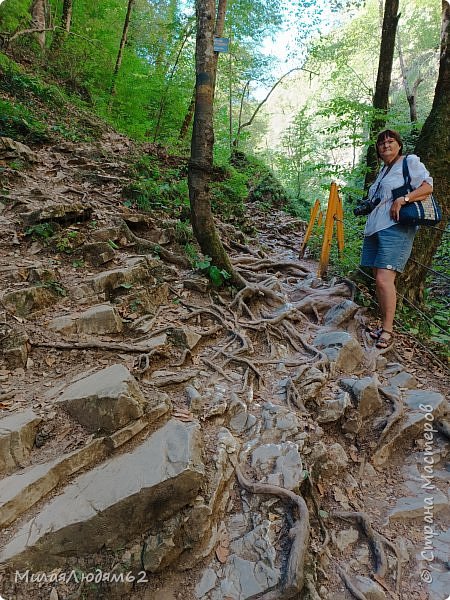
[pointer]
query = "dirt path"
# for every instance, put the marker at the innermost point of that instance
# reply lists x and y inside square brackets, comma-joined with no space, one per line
[335,433]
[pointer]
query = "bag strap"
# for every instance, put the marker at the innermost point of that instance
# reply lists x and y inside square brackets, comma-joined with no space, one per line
[406,174]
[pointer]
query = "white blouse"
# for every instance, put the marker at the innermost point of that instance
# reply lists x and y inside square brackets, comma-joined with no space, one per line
[380,218]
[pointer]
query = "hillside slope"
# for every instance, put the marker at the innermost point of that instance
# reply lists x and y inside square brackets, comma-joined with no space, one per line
[163,438]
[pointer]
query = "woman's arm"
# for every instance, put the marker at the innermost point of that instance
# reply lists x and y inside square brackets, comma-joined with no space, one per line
[419,193]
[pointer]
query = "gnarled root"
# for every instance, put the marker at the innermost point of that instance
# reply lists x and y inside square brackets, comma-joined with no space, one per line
[374,539]
[355,592]
[299,534]
[253,291]
[175,259]
[396,415]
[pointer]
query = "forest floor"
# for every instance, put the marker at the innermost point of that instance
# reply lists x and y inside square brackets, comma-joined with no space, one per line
[260,345]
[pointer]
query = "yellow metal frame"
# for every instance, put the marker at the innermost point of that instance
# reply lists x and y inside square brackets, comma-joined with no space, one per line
[335,212]
[315,213]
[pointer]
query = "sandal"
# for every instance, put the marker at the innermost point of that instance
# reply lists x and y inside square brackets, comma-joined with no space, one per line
[385,341]
[374,332]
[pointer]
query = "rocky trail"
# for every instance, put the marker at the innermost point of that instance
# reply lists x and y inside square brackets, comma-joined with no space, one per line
[163,439]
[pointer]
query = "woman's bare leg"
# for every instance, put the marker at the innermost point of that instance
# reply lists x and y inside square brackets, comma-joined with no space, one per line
[387,296]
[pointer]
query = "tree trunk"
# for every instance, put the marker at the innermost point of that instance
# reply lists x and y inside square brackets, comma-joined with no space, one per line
[433,146]
[66,21]
[38,20]
[123,41]
[411,94]
[66,18]
[381,95]
[188,118]
[201,160]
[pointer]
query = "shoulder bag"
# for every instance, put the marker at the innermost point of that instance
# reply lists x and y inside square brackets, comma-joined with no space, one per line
[422,212]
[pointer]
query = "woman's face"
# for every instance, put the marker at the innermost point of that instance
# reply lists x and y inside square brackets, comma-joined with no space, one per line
[388,149]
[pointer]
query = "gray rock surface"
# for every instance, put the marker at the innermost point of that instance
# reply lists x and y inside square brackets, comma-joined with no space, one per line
[365,392]
[341,348]
[17,435]
[403,380]
[413,507]
[279,464]
[100,319]
[345,538]
[333,409]
[244,579]
[106,400]
[340,313]
[420,404]
[114,502]
[206,583]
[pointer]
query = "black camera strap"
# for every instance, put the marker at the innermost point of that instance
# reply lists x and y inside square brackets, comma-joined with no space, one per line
[388,168]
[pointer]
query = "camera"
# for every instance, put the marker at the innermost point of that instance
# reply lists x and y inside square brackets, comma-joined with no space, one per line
[366,206]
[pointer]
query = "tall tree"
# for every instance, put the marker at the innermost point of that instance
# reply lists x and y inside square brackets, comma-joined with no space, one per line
[66,22]
[123,41]
[411,93]
[381,95]
[201,160]
[39,20]
[433,146]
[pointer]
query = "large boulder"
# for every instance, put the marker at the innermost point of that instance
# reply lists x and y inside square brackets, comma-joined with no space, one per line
[105,400]
[341,348]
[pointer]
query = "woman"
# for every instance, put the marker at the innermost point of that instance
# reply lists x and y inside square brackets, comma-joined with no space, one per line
[387,244]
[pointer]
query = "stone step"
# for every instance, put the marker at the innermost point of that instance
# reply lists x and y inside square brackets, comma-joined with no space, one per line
[99,320]
[20,491]
[17,435]
[109,399]
[110,505]
[136,271]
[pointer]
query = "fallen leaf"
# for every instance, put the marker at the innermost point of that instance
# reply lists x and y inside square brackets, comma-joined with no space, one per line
[50,361]
[320,489]
[222,550]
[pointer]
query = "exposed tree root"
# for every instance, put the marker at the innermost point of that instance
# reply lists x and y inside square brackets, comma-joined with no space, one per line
[142,362]
[211,313]
[243,248]
[299,533]
[92,345]
[355,592]
[251,291]
[399,411]
[214,367]
[186,352]
[251,276]
[323,527]
[294,268]
[246,361]
[376,541]
[175,259]
[293,397]
[309,585]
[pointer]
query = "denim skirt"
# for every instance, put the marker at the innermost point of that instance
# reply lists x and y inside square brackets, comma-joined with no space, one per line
[389,248]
